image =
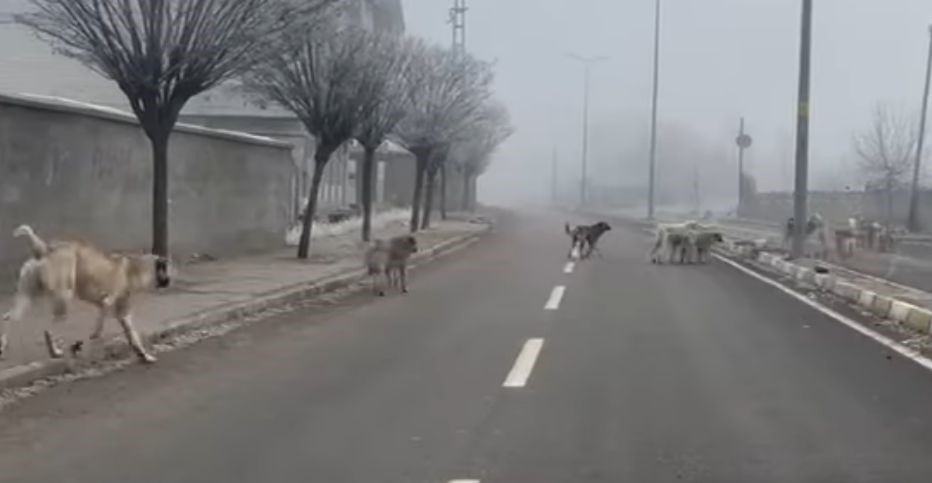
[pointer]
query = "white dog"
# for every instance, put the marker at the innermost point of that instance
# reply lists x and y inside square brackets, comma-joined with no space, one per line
[674,240]
[64,270]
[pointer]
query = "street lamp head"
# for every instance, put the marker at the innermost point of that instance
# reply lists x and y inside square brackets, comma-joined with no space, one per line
[586,60]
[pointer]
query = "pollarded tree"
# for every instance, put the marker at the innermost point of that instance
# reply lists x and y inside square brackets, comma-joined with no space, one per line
[472,153]
[161,53]
[444,92]
[388,64]
[320,75]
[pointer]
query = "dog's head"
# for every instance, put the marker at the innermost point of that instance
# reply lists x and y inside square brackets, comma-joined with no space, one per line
[603,226]
[162,271]
[147,272]
[405,244]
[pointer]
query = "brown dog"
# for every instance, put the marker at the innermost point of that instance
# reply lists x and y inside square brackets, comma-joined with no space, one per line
[388,261]
[63,270]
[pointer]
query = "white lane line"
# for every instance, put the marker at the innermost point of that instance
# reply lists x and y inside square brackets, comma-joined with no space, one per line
[569,267]
[553,303]
[464,481]
[524,364]
[876,336]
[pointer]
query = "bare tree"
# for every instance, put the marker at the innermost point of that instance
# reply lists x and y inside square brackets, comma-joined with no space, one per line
[444,91]
[319,75]
[388,63]
[161,53]
[885,150]
[435,165]
[472,153]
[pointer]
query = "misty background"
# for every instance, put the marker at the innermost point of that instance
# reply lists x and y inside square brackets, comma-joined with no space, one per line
[720,60]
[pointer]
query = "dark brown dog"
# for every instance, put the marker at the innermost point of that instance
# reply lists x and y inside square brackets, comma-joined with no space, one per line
[585,238]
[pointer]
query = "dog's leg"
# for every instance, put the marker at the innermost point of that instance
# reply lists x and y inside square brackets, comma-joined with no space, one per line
[59,314]
[382,279]
[403,276]
[99,324]
[4,328]
[377,280]
[379,283]
[390,280]
[20,304]
[132,337]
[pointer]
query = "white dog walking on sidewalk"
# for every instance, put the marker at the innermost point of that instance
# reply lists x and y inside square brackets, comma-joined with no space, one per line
[63,270]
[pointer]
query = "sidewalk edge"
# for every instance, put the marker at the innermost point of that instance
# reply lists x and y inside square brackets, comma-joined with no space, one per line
[25,374]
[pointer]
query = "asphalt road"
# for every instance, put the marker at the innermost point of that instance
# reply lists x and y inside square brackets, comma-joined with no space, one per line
[639,373]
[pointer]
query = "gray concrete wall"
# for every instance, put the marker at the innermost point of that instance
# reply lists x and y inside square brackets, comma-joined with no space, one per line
[74,171]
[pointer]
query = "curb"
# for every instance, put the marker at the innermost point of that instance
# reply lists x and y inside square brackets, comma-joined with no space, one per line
[904,313]
[117,348]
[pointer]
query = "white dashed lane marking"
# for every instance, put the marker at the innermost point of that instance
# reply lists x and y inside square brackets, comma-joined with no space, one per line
[556,296]
[524,364]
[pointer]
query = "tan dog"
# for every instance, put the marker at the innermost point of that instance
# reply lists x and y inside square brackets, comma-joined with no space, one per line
[387,261]
[63,270]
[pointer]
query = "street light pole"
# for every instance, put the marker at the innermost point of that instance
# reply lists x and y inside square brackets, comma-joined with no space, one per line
[914,191]
[740,167]
[553,178]
[653,115]
[743,141]
[585,141]
[802,132]
[587,62]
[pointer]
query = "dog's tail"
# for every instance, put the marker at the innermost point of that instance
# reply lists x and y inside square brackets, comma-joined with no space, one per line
[38,245]
[566,227]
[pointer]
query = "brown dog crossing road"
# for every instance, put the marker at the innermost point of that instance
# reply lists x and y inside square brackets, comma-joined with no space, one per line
[640,373]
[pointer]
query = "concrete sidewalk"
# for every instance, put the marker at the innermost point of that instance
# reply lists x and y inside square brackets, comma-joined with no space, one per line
[216,291]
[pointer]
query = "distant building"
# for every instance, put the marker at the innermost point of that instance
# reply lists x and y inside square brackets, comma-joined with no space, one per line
[28,65]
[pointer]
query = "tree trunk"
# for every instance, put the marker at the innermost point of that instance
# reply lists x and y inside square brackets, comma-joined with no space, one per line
[423,157]
[465,204]
[160,193]
[889,189]
[320,162]
[472,193]
[429,197]
[443,191]
[368,163]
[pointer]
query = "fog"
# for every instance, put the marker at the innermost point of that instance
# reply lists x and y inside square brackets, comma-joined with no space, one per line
[721,60]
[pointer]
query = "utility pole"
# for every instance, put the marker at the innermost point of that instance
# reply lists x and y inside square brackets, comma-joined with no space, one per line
[802,133]
[587,62]
[553,177]
[914,191]
[458,21]
[743,141]
[653,116]
[696,197]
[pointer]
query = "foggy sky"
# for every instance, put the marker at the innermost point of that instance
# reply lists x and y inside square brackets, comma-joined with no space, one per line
[721,59]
